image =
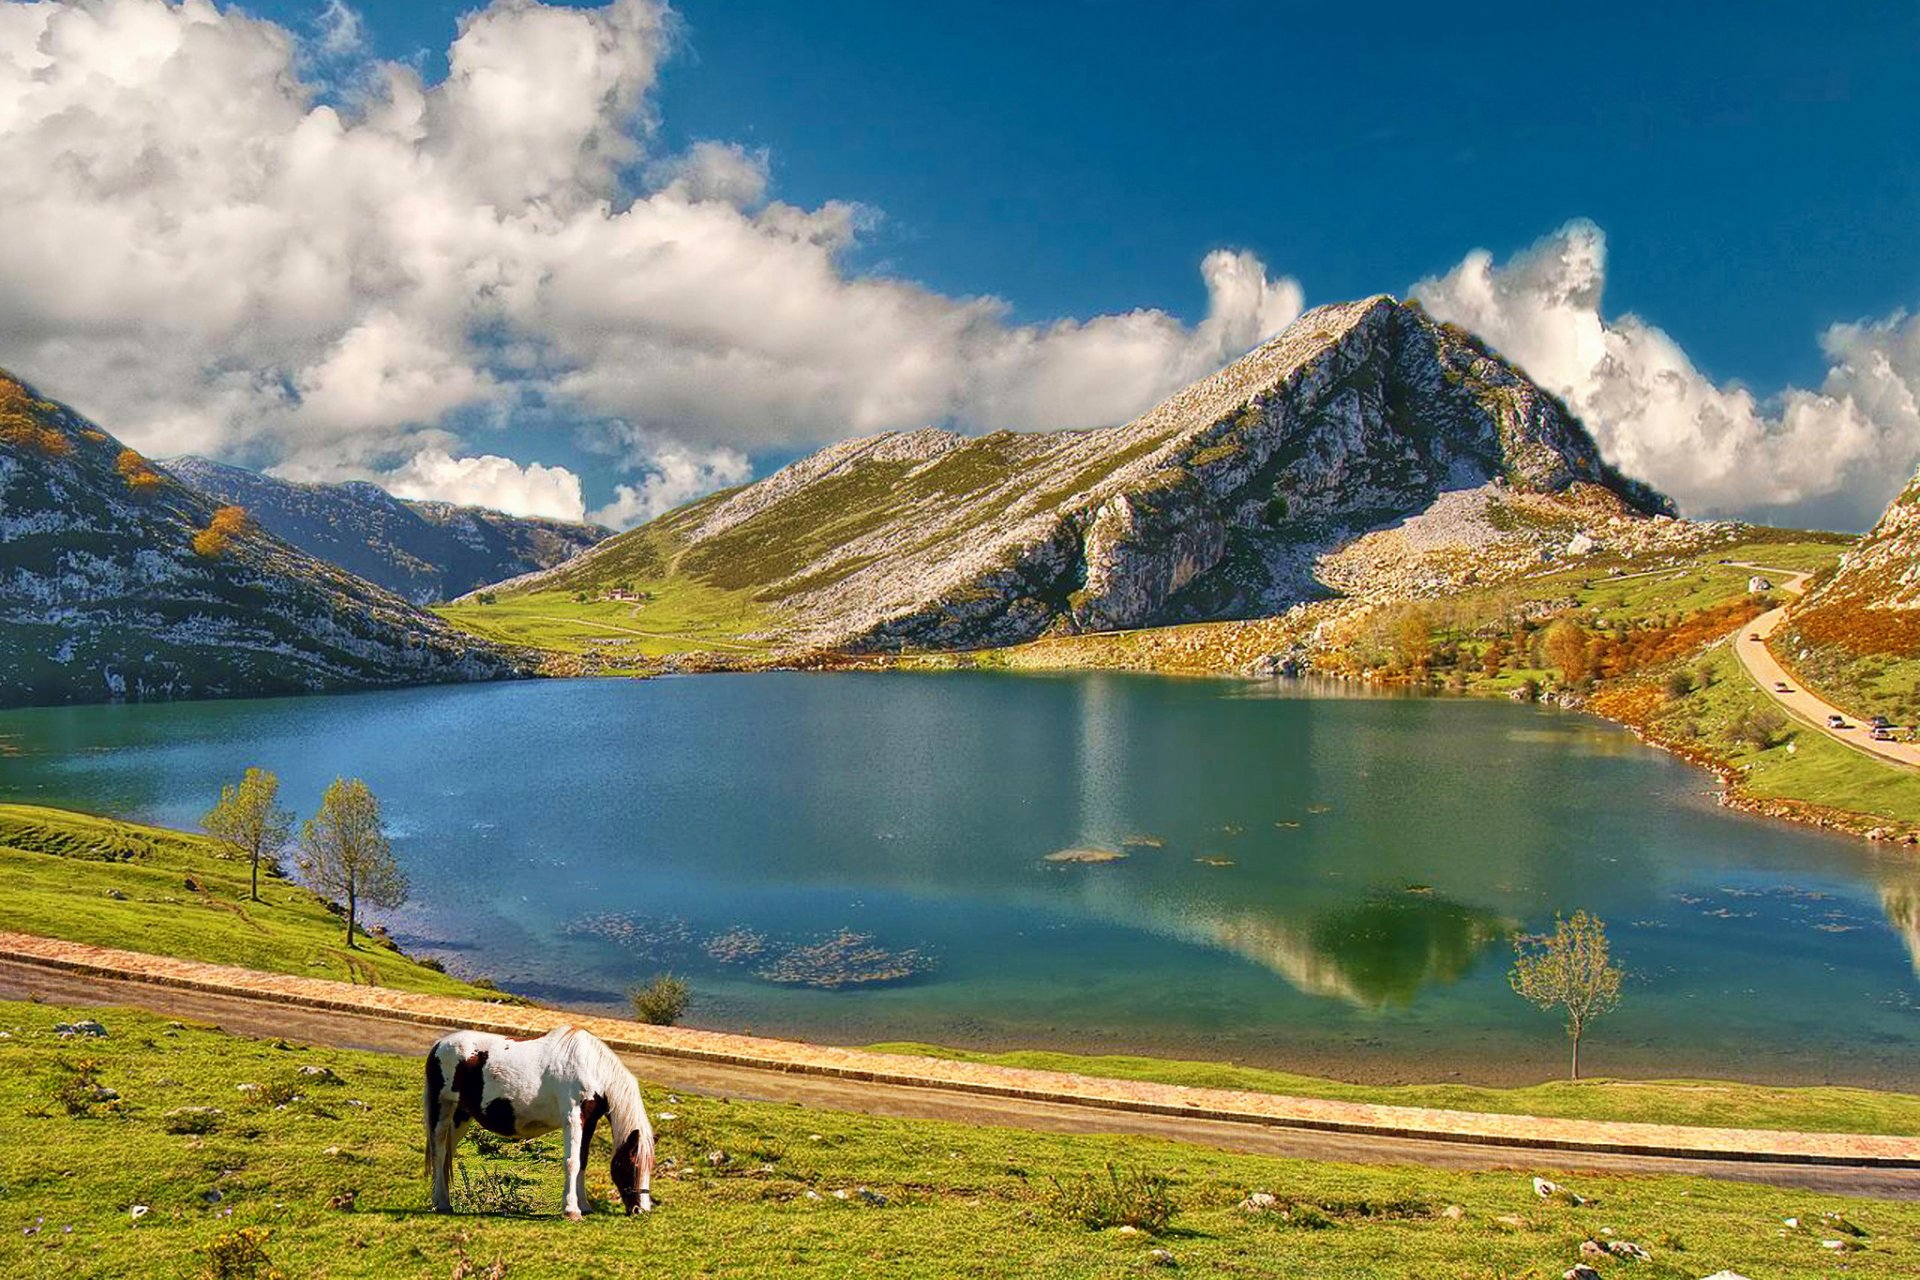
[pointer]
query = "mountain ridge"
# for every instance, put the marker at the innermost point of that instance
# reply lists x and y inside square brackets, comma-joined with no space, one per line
[421,550]
[119,582]
[1216,503]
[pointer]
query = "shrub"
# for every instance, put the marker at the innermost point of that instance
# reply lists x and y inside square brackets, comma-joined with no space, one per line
[1679,683]
[240,1255]
[1134,1198]
[661,1002]
[1760,729]
[81,1095]
[191,1120]
[497,1191]
[227,524]
[136,472]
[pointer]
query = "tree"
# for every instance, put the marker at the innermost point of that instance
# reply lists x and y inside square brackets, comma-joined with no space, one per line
[1568,969]
[1413,638]
[344,851]
[1566,648]
[249,824]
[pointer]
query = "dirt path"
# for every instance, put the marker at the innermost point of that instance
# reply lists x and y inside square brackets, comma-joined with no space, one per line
[650,635]
[853,1080]
[1750,645]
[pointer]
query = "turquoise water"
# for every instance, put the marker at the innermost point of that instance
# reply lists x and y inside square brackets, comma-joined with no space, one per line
[1323,882]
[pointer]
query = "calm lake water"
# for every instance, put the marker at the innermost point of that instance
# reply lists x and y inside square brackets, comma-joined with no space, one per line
[1325,882]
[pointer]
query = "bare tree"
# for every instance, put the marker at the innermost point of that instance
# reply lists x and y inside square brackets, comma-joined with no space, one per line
[344,851]
[248,822]
[1568,969]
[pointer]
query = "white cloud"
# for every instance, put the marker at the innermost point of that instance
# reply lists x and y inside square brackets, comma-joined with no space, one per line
[1831,456]
[676,474]
[488,481]
[208,255]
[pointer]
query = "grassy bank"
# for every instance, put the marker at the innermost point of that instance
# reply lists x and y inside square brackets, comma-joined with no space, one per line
[122,884]
[325,1172]
[1713,1103]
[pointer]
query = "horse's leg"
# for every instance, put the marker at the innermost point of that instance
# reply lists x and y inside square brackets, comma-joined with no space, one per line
[440,1155]
[576,1162]
[646,1174]
[447,1135]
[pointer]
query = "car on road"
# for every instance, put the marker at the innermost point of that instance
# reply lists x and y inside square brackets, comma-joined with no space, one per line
[1838,722]
[1753,635]
[1880,722]
[1883,735]
[1781,686]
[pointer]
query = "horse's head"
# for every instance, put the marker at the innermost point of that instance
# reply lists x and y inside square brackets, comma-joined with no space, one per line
[626,1174]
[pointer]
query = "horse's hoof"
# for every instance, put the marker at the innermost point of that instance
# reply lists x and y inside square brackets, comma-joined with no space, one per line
[574,1215]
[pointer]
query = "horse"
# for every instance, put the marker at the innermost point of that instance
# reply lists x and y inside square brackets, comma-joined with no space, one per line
[566,1079]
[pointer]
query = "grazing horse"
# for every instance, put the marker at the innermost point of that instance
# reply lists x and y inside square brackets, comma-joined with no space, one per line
[566,1079]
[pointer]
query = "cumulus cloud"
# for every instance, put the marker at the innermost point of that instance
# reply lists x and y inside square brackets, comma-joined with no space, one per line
[1828,456]
[489,481]
[214,249]
[676,474]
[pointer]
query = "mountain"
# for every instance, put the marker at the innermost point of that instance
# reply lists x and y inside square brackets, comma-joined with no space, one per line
[1855,634]
[425,551]
[118,581]
[1218,503]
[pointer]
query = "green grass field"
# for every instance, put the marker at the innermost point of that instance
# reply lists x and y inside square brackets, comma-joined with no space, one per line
[325,1173]
[1713,1103]
[60,870]
[1817,770]
[685,616]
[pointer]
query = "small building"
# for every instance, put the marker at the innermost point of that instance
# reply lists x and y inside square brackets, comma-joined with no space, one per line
[621,594]
[1757,584]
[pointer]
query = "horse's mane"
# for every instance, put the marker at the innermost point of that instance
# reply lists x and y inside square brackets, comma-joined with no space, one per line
[597,1066]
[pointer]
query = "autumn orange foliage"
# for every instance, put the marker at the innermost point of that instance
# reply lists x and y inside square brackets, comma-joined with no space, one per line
[22,425]
[217,538]
[138,474]
[1649,646]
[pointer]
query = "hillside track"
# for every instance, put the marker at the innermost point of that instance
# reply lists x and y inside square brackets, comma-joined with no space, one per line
[343,1016]
[1750,646]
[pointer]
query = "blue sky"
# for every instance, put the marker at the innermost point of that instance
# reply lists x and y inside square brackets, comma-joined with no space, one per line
[1756,167]
[599,259]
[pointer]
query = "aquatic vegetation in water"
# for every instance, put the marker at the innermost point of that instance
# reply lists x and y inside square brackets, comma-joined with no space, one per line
[844,959]
[656,936]
[737,945]
[1088,855]
[1214,862]
[1142,842]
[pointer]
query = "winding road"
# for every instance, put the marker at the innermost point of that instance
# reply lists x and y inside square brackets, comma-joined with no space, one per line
[1750,645]
[341,1015]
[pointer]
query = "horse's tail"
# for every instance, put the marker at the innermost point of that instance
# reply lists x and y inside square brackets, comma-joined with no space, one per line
[431,1111]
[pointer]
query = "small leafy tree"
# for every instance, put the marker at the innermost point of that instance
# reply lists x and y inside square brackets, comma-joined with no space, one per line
[249,823]
[344,851]
[1565,644]
[1568,969]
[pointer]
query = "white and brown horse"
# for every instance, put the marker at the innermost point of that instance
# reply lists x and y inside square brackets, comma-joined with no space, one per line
[567,1080]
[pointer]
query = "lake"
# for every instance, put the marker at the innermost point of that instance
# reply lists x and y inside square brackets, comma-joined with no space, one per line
[1311,879]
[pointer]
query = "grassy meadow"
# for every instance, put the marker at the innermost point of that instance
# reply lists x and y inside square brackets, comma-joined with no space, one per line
[167,1149]
[171,893]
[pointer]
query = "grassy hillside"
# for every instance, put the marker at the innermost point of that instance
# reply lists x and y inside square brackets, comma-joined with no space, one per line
[323,1174]
[120,884]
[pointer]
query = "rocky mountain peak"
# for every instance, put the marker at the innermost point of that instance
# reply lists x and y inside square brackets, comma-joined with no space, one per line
[1214,503]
